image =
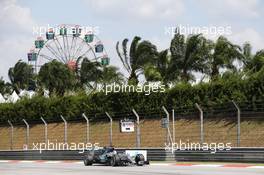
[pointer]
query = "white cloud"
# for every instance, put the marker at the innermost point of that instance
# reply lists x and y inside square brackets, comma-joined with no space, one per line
[231,8]
[14,16]
[162,43]
[110,44]
[249,35]
[147,9]
[11,51]
[16,34]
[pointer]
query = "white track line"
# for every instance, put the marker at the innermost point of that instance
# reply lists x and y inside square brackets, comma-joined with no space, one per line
[78,162]
[160,164]
[207,165]
[52,162]
[259,167]
[152,164]
[26,161]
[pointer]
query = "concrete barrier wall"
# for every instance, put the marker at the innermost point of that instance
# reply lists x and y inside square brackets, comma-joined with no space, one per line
[153,154]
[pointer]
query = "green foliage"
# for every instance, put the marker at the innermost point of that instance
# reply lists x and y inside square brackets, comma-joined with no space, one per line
[93,73]
[90,73]
[223,56]
[189,55]
[255,86]
[5,88]
[56,77]
[253,63]
[111,74]
[224,89]
[21,76]
[163,69]
[140,54]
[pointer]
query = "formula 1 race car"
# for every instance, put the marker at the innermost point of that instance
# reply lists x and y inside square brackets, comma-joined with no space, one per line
[108,156]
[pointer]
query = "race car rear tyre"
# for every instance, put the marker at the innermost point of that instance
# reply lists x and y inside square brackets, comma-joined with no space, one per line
[115,160]
[88,160]
[139,159]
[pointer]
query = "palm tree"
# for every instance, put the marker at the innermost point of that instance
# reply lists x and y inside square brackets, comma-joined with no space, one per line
[21,75]
[93,73]
[252,63]
[162,70]
[140,54]
[223,56]
[90,73]
[56,77]
[110,74]
[5,87]
[189,55]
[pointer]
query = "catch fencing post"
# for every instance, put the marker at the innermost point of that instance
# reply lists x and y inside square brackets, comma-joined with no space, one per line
[87,139]
[168,128]
[27,133]
[11,134]
[238,122]
[173,125]
[111,128]
[201,123]
[45,131]
[138,129]
[65,129]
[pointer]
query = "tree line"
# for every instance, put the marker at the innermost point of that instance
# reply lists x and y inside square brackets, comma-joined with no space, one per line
[179,64]
[229,72]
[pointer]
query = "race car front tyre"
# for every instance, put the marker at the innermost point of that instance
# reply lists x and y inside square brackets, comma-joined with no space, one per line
[115,160]
[88,160]
[139,159]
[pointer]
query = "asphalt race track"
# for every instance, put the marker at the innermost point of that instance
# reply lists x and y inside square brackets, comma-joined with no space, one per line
[77,168]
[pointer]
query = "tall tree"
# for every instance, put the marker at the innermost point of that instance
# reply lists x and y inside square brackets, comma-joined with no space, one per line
[224,53]
[110,74]
[5,88]
[162,70]
[252,62]
[56,77]
[90,73]
[93,73]
[21,75]
[189,55]
[140,54]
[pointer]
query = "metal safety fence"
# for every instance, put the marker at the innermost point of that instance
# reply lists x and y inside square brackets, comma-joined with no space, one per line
[236,124]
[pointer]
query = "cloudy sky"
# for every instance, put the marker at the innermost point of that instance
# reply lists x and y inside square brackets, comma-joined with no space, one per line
[119,19]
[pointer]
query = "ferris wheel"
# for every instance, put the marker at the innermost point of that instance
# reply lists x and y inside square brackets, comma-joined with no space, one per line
[67,44]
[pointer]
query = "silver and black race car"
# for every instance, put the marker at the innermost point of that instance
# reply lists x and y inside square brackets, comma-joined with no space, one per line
[108,156]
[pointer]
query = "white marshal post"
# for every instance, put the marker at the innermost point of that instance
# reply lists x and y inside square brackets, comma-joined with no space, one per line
[169,139]
[138,129]
[87,139]
[201,123]
[65,129]
[173,125]
[27,133]
[238,122]
[11,134]
[111,129]
[45,130]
